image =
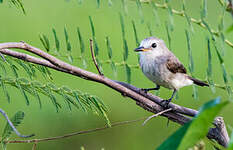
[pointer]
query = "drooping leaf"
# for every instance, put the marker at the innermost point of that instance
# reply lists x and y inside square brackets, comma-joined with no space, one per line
[81,43]
[68,45]
[155,13]
[168,35]
[109,48]
[45,42]
[139,7]
[170,15]
[135,34]
[191,64]
[128,73]
[195,92]
[187,17]
[204,9]
[22,91]
[195,130]
[96,48]
[57,43]
[98,3]
[122,25]
[113,66]
[124,6]
[209,69]
[16,120]
[126,50]
[5,90]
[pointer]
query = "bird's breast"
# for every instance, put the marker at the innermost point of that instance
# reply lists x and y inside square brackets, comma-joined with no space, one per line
[151,67]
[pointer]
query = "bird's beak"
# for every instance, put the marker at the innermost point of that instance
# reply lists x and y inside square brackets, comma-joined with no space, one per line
[142,49]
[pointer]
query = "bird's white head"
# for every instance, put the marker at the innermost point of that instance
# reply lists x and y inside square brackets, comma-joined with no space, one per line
[151,46]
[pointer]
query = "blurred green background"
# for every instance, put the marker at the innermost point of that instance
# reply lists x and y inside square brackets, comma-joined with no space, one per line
[41,16]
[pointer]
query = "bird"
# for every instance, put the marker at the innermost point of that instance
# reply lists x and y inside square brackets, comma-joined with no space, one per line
[163,68]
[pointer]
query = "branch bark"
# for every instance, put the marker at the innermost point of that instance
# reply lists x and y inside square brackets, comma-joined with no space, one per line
[147,101]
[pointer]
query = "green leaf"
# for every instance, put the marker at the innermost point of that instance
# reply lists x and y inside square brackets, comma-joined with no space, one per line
[122,25]
[187,17]
[126,50]
[155,13]
[139,7]
[128,73]
[124,6]
[5,90]
[68,45]
[113,66]
[204,9]
[101,108]
[57,43]
[109,3]
[45,42]
[81,43]
[135,34]
[22,91]
[230,145]
[96,48]
[229,29]
[109,48]
[190,57]
[92,26]
[18,4]
[1,1]
[209,69]
[195,92]
[16,120]
[76,95]
[195,130]
[168,35]
[98,3]
[170,15]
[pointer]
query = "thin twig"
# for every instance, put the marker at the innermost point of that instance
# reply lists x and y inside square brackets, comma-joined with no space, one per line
[12,125]
[94,59]
[143,101]
[75,133]
[156,115]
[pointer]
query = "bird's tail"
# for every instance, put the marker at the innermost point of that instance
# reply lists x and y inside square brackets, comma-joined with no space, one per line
[198,82]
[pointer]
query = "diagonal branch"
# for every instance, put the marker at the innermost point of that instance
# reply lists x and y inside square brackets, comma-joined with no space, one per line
[147,101]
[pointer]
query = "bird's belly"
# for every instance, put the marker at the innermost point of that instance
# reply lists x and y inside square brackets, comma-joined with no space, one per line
[155,74]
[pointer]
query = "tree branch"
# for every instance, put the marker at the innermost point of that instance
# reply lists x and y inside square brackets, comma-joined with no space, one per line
[147,101]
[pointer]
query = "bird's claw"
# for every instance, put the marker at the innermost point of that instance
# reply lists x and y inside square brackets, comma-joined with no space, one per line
[165,103]
[144,90]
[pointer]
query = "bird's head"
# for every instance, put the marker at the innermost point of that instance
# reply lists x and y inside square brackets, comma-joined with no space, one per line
[151,45]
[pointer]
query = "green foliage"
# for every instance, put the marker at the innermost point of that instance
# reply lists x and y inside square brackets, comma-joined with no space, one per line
[57,43]
[230,145]
[45,42]
[16,120]
[195,130]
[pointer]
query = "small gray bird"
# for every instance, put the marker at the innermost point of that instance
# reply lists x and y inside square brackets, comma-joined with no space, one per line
[162,67]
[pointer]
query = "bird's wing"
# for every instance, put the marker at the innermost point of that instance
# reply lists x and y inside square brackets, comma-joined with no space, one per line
[175,66]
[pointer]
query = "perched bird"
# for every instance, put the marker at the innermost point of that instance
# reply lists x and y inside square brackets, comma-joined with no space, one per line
[162,67]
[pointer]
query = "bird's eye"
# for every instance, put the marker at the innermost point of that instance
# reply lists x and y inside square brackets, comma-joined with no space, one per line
[154,45]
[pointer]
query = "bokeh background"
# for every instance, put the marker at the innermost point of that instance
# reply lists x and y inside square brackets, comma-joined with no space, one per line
[41,16]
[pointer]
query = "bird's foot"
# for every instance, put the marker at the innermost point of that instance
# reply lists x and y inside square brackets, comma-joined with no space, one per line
[144,90]
[165,103]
